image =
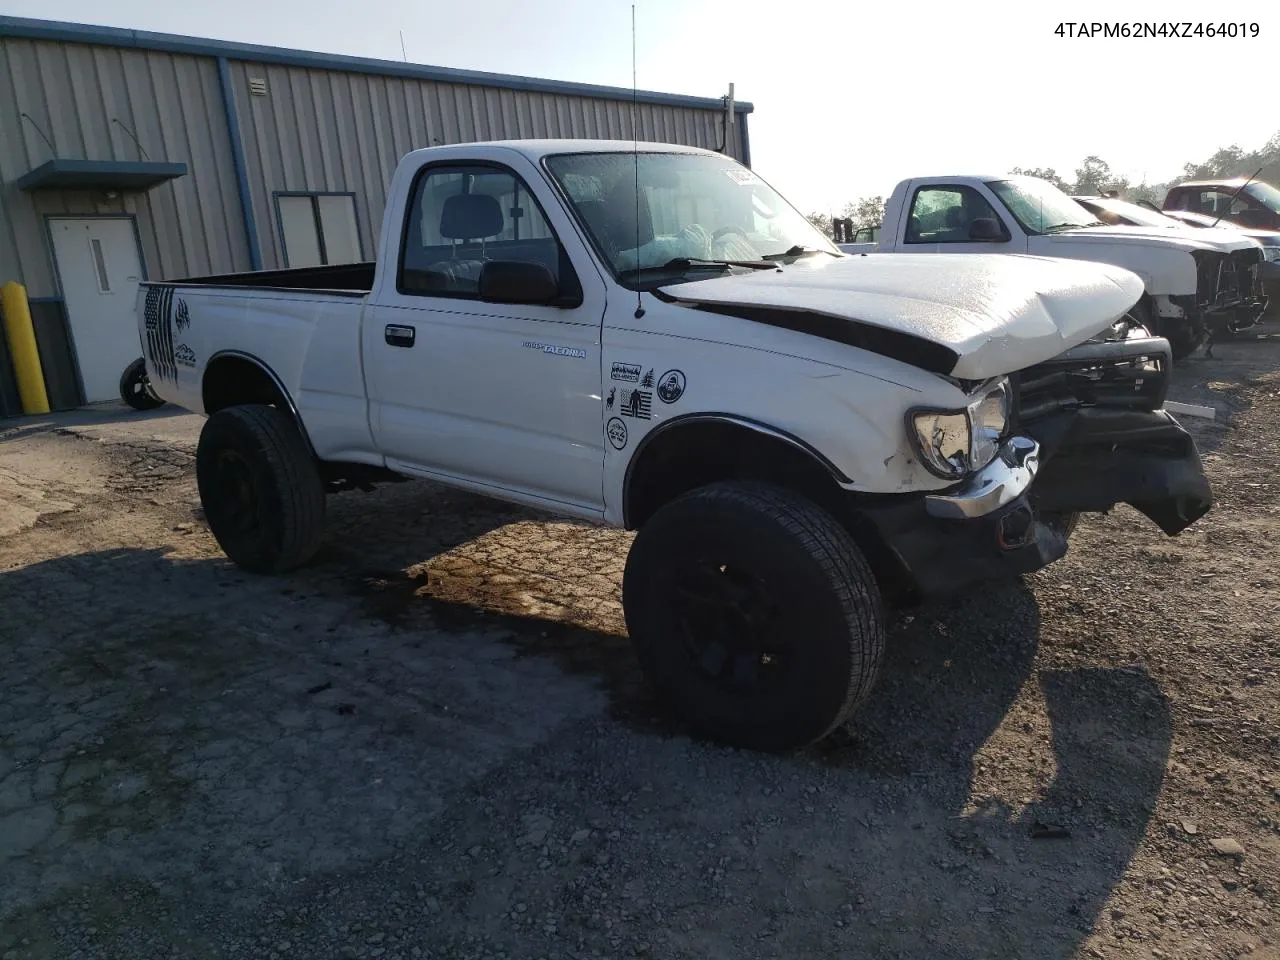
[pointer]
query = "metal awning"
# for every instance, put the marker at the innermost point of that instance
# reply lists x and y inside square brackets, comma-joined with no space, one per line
[123,175]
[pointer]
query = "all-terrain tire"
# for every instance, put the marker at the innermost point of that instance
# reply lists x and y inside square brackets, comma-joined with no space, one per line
[815,642]
[1183,341]
[1063,523]
[261,492]
[135,387]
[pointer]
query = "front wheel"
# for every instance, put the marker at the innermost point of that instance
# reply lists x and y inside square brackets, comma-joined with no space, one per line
[261,492]
[754,613]
[1063,523]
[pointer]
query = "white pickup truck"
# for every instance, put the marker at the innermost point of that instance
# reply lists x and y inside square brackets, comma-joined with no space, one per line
[1194,285]
[653,339]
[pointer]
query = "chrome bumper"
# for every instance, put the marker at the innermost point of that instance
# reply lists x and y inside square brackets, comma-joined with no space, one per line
[1000,482]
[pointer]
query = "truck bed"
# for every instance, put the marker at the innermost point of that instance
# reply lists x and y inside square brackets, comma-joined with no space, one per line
[350,278]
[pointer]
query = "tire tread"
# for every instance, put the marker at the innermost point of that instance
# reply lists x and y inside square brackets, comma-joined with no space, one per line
[845,568]
[288,458]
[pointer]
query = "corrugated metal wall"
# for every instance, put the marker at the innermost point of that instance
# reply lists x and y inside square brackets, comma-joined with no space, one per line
[88,100]
[319,130]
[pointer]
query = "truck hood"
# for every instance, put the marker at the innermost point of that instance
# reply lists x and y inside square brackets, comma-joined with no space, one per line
[1190,238]
[971,316]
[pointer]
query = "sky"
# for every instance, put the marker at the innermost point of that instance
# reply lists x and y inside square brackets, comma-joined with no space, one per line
[849,97]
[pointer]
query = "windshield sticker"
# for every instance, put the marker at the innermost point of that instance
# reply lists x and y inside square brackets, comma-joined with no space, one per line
[741,176]
[576,352]
[630,372]
[617,433]
[671,386]
[647,382]
[637,404]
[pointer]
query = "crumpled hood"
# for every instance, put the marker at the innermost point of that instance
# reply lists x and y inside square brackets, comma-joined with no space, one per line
[1190,238]
[996,313]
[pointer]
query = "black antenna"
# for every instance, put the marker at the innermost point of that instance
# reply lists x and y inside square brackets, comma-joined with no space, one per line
[635,152]
[132,136]
[1233,196]
[52,149]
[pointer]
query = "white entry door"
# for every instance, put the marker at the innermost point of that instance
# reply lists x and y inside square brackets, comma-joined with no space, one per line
[99,270]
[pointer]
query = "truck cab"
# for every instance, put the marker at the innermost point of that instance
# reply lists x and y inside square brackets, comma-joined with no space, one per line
[1247,203]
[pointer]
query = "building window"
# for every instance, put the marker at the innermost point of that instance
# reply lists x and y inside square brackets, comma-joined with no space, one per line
[318,228]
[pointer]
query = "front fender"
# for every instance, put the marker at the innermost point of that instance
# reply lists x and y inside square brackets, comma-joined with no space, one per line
[850,422]
[1164,271]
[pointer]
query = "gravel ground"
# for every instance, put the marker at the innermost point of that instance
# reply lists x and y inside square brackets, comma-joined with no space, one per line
[434,742]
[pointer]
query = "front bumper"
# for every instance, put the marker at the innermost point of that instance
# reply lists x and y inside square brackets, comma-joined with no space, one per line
[992,525]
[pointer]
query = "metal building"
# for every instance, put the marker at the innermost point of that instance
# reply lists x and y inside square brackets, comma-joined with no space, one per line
[127,155]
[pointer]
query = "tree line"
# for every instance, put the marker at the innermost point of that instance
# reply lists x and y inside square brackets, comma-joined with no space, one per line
[1094,176]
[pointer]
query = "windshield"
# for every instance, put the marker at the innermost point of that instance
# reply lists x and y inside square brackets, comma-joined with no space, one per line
[1123,211]
[1039,206]
[1265,194]
[693,207]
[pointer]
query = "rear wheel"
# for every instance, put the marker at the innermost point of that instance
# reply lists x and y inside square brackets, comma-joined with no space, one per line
[754,613]
[261,492]
[135,387]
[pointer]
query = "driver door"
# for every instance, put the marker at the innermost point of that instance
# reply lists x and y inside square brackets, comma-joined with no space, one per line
[505,397]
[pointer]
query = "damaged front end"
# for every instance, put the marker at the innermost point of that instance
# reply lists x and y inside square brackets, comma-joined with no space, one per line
[1230,294]
[1096,412]
[1087,431]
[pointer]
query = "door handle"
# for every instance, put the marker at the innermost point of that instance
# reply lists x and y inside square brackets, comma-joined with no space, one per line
[399,335]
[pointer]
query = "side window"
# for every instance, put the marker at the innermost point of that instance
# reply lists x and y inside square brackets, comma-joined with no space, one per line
[462,216]
[942,214]
[1219,203]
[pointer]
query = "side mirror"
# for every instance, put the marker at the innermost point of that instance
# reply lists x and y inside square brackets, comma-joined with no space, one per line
[517,281]
[987,228]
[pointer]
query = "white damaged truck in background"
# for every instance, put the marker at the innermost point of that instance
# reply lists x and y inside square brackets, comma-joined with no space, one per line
[1194,285]
[655,340]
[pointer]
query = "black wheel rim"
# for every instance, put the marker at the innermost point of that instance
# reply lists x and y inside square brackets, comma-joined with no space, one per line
[234,491]
[728,620]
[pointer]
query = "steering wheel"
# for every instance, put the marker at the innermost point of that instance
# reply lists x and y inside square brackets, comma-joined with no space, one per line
[724,231]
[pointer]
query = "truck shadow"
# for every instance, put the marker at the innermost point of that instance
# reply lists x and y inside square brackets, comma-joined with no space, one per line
[1050,830]
[1066,783]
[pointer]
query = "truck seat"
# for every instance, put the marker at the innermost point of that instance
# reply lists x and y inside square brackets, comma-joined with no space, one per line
[465,217]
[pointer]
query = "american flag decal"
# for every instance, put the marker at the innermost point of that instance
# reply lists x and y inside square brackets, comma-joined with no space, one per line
[158,317]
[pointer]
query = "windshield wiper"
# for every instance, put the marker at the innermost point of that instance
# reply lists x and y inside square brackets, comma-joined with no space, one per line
[796,251]
[1054,227]
[689,263]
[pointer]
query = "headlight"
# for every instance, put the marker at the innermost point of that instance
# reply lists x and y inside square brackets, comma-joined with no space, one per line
[952,443]
[1271,253]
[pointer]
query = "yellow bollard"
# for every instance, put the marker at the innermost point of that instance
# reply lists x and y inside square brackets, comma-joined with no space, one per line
[21,334]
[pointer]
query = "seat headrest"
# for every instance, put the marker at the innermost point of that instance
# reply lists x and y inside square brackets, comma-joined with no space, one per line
[471,216]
